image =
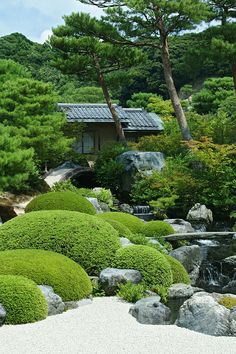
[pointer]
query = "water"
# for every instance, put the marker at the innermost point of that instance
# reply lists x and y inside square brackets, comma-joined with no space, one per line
[143,212]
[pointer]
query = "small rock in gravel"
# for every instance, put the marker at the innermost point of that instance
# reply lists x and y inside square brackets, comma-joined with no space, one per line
[54,301]
[2,315]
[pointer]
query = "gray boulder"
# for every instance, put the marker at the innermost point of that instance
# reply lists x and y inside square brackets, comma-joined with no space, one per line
[126,208]
[2,315]
[96,204]
[104,207]
[230,262]
[125,242]
[54,301]
[151,311]
[200,214]
[230,287]
[190,257]
[177,291]
[201,313]
[180,225]
[232,321]
[111,278]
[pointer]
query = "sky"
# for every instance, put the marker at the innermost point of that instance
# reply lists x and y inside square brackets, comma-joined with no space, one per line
[35,18]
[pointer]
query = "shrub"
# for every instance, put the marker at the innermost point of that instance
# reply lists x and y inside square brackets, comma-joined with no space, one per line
[22,300]
[228,302]
[84,238]
[61,201]
[122,229]
[131,292]
[138,239]
[153,266]
[66,277]
[157,229]
[133,223]
[180,275]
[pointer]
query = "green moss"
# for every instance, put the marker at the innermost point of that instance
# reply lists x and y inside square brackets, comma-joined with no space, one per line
[122,229]
[133,223]
[228,302]
[157,229]
[131,292]
[180,275]
[138,239]
[90,242]
[66,277]
[61,201]
[153,266]
[22,300]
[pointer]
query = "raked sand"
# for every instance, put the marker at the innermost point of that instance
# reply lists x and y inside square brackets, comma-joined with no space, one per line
[105,327]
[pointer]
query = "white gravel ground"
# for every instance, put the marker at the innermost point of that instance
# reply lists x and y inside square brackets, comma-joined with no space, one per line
[105,327]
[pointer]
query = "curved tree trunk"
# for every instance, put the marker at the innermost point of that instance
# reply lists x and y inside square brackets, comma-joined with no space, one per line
[180,116]
[119,129]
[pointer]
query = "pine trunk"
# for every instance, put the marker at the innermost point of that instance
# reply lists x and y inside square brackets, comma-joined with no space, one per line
[119,129]
[179,113]
[233,66]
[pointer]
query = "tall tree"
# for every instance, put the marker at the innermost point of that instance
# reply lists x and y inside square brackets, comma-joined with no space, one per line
[82,53]
[149,23]
[222,10]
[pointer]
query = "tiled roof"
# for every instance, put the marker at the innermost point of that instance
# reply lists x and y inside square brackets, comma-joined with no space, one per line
[132,119]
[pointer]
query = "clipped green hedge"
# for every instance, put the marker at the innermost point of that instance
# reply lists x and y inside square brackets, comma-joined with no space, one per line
[153,266]
[133,223]
[120,228]
[90,242]
[180,275]
[22,300]
[66,277]
[61,201]
[157,229]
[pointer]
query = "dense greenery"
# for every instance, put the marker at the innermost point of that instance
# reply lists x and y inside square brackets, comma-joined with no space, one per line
[157,229]
[153,266]
[131,292]
[90,242]
[133,223]
[22,300]
[66,277]
[123,230]
[61,201]
[179,273]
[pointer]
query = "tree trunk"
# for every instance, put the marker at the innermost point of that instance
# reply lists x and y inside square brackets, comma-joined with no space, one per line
[233,67]
[119,129]
[179,113]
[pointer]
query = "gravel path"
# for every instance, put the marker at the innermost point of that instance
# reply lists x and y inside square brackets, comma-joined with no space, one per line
[105,327]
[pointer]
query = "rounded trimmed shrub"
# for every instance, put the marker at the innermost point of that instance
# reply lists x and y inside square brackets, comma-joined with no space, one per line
[120,228]
[153,266]
[157,229]
[61,201]
[180,275]
[22,300]
[133,223]
[67,278]
[90,242]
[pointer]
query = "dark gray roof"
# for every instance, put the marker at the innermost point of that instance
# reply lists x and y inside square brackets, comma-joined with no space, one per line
[132,119]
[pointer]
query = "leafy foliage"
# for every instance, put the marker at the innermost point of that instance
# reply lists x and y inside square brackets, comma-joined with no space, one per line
[133,223]
[131,292]
[157,229]
[179,273]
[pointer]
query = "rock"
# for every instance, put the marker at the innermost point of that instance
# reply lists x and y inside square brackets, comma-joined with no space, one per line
[230,287]
[104,207]
[139,162]
[12,205]
[200,214]
[94,280]
[190,257]
[2,315]
[230,262]
[232,321]
[126,208]
[155,242]
[95,203]
[180,290]
[54,301]
[125,242]
[151,311]
[201,313]
[71,305]
[111,278]
[180,225]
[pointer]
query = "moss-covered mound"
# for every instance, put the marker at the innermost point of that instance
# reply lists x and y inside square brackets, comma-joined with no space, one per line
[157,229]
[228,302]
[120,228]
[61,201]
[22,300]
[66,277]
[180,275]
[153,266]
[90,242]
[133,223]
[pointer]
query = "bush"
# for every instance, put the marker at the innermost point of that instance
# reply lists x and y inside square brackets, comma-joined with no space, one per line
[138,239]
[157,229]
[122,229]
[84,238]
[66,277]
[153,266]
[133,223]
[131,292]
[22,300]
[180,275]
[228,302]
[61,201]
